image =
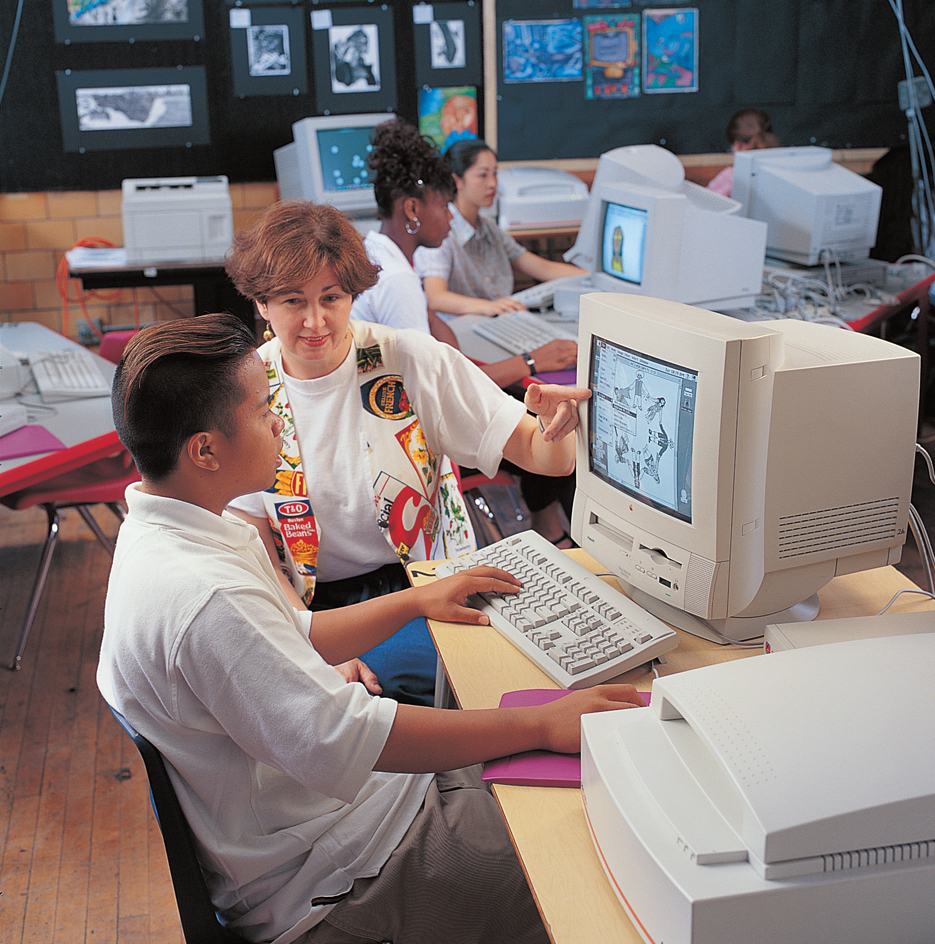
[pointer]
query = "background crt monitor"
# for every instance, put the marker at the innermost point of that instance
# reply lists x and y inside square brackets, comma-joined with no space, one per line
[343,156]
[327,162]
[812,205]
[623,242]
[641,426]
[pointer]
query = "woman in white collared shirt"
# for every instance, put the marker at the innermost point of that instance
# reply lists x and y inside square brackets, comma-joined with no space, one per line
[472,271]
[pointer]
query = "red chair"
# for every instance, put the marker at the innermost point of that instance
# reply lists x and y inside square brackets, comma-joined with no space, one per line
[101,482]
[113,343]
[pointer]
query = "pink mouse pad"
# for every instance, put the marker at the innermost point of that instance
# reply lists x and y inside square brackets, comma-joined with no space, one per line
[536,768]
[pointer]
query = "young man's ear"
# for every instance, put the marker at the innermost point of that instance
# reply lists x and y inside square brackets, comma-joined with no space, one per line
[200,451]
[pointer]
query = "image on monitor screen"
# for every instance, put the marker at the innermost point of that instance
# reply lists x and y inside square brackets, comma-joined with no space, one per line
[343,153]
[642,426]
[623,242]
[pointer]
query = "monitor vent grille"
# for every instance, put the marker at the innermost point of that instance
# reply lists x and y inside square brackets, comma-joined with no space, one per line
[880,855]
[698,578]
[847,526]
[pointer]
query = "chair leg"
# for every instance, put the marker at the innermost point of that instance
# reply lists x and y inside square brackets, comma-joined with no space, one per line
[45,561]
[90,521]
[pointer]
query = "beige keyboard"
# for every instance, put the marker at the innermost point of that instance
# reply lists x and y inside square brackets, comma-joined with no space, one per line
[68,374]
[575,626]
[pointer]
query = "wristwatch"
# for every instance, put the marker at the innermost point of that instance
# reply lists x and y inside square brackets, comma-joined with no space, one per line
[530,363]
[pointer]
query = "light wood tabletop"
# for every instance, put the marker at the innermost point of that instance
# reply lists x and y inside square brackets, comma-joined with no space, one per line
[547,824]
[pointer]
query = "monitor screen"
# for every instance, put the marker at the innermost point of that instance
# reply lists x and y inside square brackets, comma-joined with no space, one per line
[642,412]
[623,242]
[343,154]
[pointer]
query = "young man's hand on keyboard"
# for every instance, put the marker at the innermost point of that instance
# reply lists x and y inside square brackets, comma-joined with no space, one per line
[445,599]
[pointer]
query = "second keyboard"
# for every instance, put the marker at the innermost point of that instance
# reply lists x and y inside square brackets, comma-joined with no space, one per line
[518,332]
[576,627]
[67,374]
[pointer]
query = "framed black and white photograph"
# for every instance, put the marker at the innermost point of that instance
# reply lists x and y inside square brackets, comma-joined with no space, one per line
[268,50]
[447,44]
[268,54]
[353,59]
[89,21]
[133,108]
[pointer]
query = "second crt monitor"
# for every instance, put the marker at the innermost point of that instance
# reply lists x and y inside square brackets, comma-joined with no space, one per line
[327,162]
[727,470]
[648,231]
[815,209]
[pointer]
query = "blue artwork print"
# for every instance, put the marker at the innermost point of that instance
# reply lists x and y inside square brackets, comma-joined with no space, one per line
[542,51]
[670,50]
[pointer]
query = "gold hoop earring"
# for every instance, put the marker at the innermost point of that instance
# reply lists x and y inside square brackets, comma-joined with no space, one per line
[268,333]
[415,220]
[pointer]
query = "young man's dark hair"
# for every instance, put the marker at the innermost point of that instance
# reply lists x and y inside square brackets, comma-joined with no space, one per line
[175,381]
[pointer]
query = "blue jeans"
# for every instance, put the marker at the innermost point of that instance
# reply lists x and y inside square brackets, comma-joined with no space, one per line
[405,663]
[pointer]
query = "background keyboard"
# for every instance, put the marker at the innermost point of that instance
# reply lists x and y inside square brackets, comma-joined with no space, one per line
[520,331]
[68,374]
[576,627]
[542,294]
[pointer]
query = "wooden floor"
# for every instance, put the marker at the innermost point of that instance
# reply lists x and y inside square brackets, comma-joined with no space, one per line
[81,858]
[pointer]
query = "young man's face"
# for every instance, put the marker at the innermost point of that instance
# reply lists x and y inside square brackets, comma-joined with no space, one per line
[251,454]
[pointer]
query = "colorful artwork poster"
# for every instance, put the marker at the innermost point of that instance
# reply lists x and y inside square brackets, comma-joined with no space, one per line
[542,51]
[612,56]
[670,50]
[601,4]
[447,115]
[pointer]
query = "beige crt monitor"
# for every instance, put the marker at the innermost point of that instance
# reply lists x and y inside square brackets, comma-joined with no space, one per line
[727,470]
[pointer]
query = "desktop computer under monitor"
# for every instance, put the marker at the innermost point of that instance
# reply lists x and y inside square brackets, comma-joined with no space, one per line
[815,209]
[727,470]
[648,231]
[327,163]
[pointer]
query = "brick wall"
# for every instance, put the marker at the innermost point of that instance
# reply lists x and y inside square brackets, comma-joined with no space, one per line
[36,229]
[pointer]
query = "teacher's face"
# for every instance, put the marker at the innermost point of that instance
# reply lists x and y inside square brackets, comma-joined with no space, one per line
[311,324]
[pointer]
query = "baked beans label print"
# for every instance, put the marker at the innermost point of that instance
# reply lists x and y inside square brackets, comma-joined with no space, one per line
[431,518]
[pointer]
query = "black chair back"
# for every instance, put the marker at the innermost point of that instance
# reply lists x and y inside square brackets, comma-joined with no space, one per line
[200,923]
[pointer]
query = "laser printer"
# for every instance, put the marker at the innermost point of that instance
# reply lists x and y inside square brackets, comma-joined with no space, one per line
[176,219]
[784,798]
[540,196]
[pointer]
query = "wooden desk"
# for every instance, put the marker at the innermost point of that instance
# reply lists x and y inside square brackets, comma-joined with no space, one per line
[86,426]
[547,824]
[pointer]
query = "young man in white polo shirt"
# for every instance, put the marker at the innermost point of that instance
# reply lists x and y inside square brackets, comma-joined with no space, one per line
[316,807]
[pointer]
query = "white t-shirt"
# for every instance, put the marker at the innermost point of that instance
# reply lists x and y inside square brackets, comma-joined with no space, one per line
[397,299]
[463,413]
[271,752]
